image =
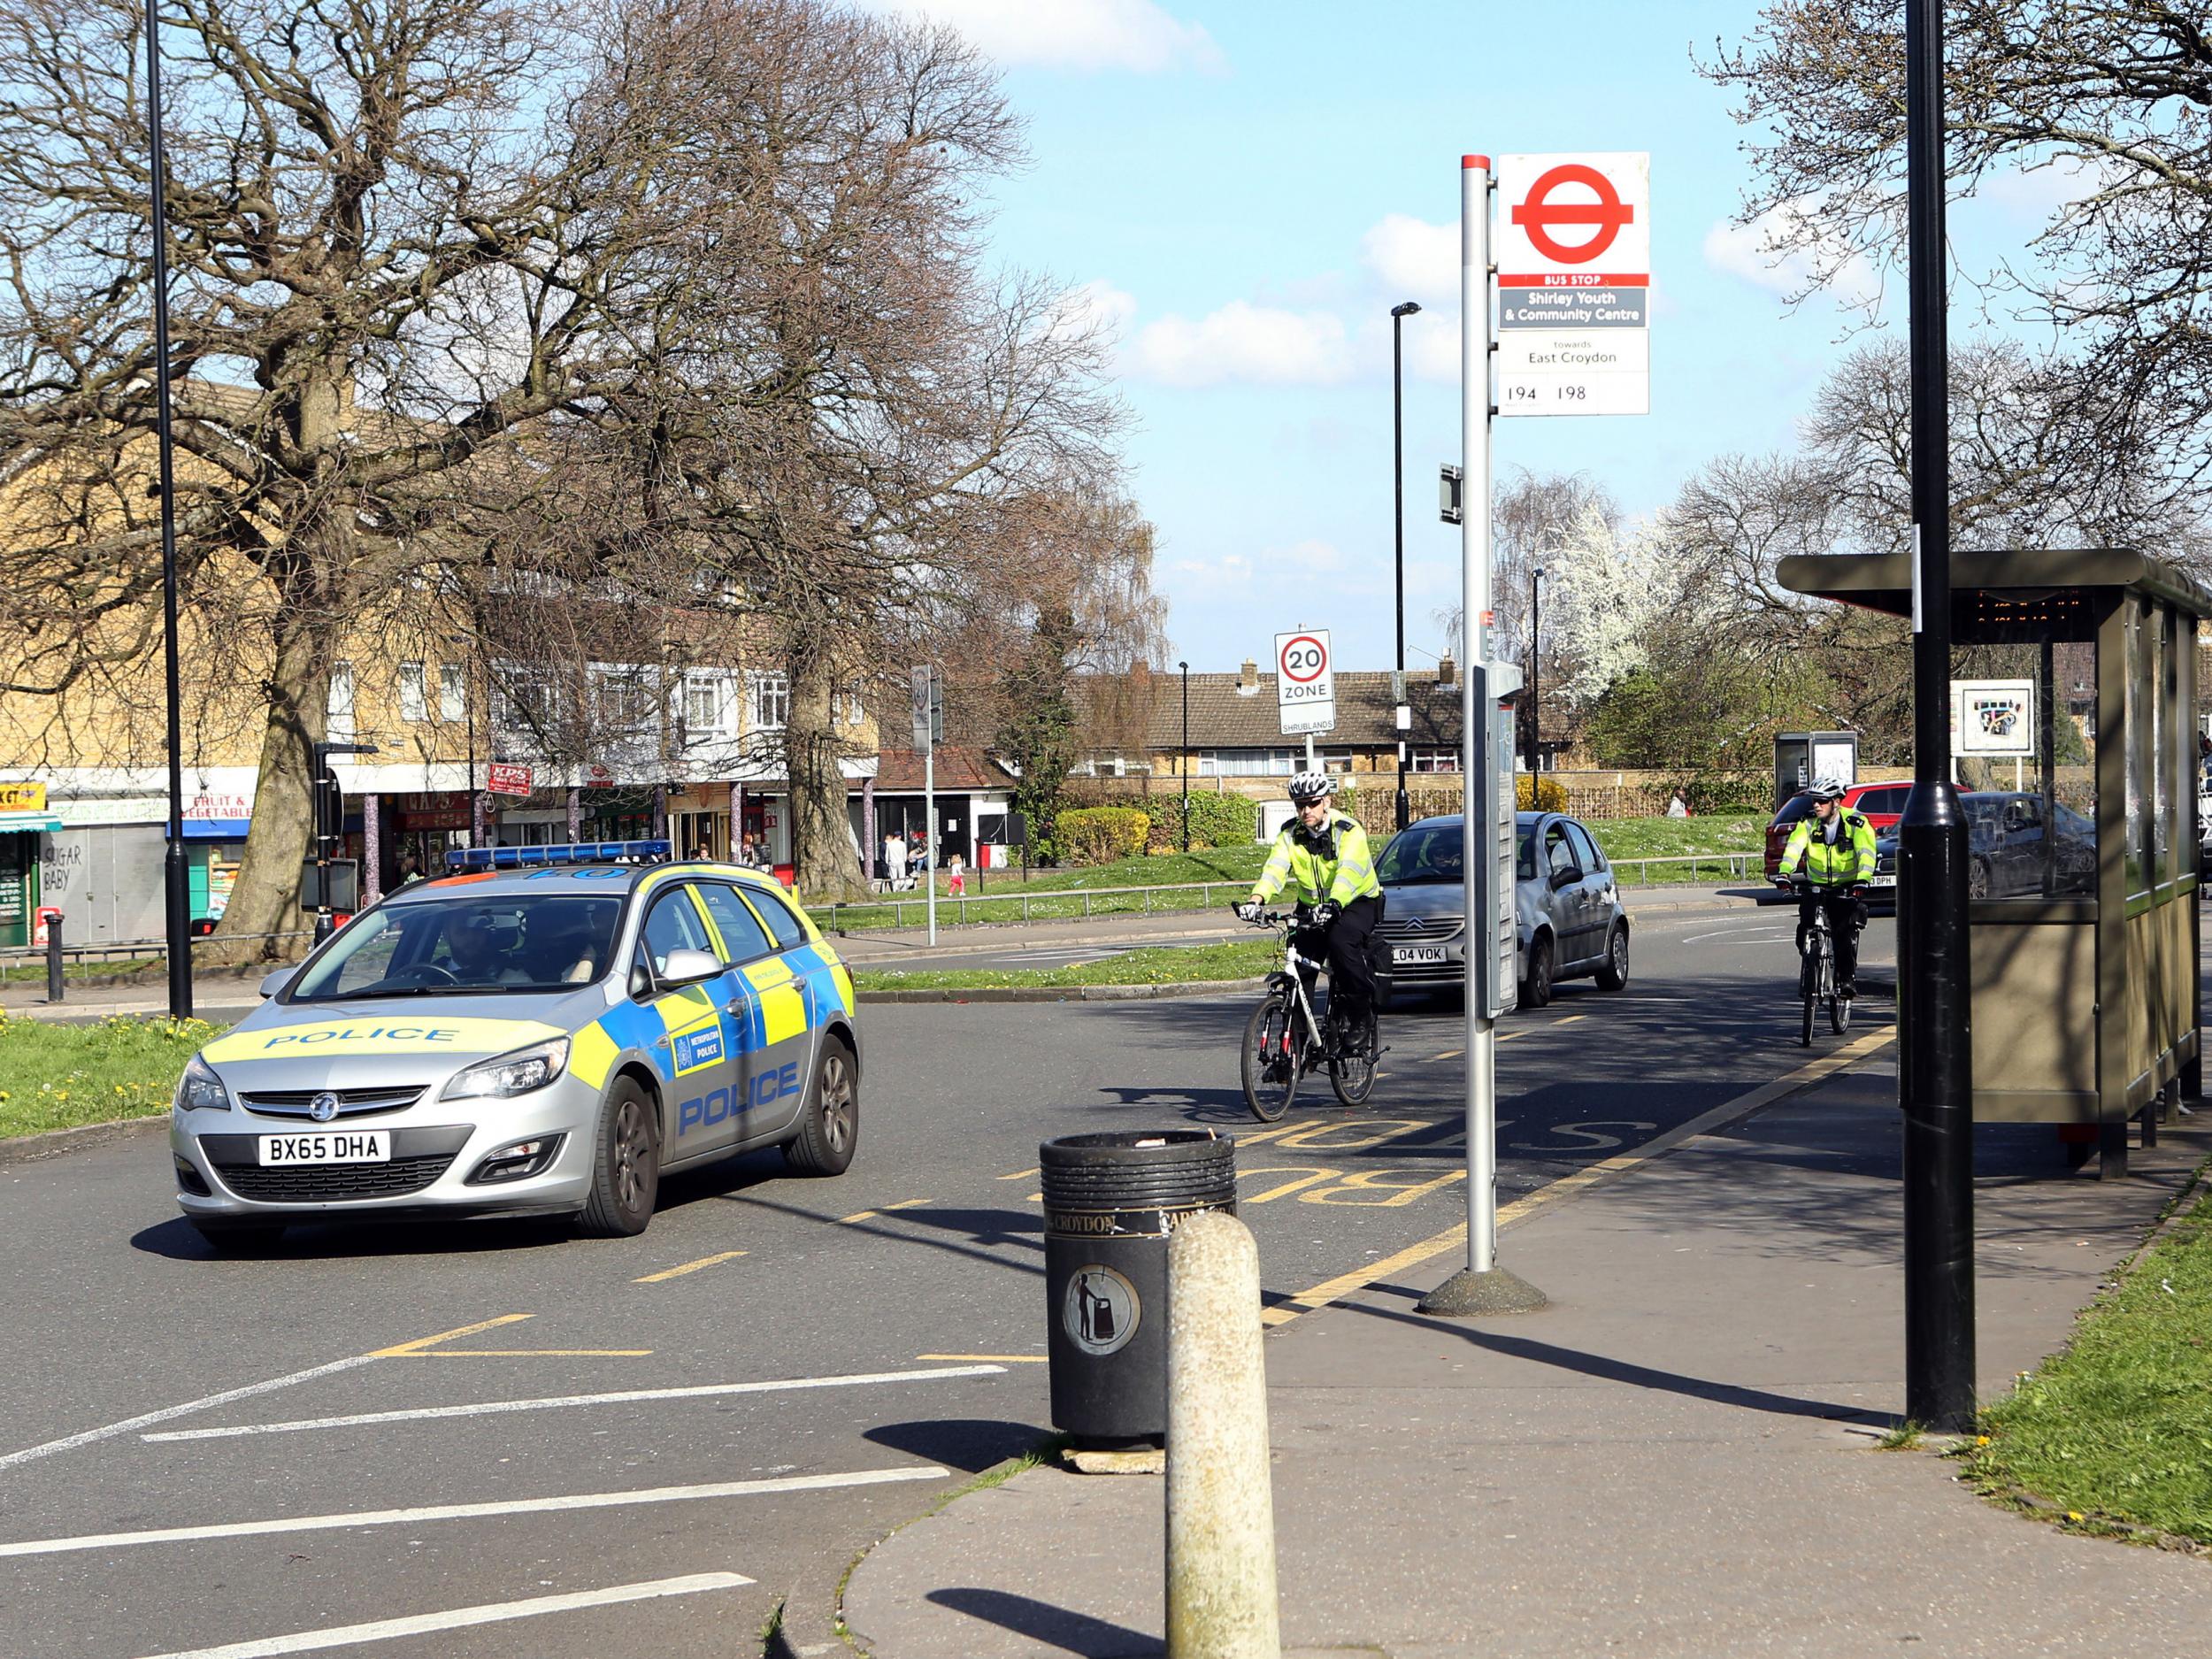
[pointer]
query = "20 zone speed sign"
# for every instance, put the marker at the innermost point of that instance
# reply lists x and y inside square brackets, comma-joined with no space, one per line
[1305,684]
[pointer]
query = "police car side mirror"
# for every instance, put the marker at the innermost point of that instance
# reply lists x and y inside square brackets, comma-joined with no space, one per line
[276,982]
[688,967]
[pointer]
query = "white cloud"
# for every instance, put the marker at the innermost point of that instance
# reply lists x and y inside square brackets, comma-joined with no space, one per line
[1095,305]
[1246,576]
[1414,259]
[2036,193]
[1253,344]
[1774,251]
[1086,34]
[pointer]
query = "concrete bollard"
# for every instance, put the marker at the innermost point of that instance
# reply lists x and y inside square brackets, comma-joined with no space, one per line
[1221,1602]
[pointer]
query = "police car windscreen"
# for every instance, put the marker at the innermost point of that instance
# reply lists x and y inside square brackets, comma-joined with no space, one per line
[440,947]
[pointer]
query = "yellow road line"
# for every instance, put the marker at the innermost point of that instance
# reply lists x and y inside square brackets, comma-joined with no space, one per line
[858,1215]
[423,1342]
[1455,1237]
[534,1353]
[1451,1054]
[688,1267]
[1016,1175]
[907,1203]
[993,1359]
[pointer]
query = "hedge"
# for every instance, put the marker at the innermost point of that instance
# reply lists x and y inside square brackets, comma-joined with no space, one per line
[1100,834]
[1216,820]
[1538,794]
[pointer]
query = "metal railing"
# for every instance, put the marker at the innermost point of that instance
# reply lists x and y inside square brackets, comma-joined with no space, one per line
[1058,904]
[1062,903]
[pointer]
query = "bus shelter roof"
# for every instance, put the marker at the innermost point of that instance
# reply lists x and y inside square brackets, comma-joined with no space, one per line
[2026,595]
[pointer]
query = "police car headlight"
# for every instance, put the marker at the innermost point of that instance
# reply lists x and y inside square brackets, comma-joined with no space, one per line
[200,1089]
[511,1074]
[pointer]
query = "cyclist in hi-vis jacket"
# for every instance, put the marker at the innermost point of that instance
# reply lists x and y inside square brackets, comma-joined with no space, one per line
[1836,846]
[1323,854]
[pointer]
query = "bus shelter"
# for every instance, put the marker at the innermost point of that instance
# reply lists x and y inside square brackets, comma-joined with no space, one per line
[2083,873]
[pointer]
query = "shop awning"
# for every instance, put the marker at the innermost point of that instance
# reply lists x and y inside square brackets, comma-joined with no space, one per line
[28,822]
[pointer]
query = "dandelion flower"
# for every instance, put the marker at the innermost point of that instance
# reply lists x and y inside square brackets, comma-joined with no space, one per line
[1981,1439]
[2073,1515]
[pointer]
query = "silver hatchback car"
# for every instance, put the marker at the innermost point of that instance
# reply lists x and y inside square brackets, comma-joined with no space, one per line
[544,1036]
[1567,907]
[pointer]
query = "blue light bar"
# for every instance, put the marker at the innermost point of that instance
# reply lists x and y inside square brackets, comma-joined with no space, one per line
[646,852]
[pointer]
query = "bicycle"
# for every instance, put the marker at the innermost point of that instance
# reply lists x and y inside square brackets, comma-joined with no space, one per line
[1284,1042]
[1816,971]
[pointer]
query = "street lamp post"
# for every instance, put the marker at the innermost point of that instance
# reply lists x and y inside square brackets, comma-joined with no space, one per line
[1184,667]
[1935,1065]
[1401,713]
[1535,663]
[176,874]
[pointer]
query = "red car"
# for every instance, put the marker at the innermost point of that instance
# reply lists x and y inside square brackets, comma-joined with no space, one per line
[1883,804]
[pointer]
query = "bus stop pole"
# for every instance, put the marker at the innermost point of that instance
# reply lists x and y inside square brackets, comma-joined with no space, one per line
[1935,1064]
[1482,1286]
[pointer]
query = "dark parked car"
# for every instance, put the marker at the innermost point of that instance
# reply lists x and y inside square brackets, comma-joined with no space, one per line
[2004,845]
[1566,907]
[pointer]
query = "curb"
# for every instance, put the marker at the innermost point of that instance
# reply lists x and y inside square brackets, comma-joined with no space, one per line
[1068,993]
[55,1142]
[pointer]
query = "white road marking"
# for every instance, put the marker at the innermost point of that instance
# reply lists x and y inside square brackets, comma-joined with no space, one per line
[472,1511]
[71,1442]
[493,1408]
[1776,929]
[461,1617]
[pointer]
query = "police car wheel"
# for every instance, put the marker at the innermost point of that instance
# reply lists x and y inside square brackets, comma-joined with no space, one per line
[829,1127]
[626,1176]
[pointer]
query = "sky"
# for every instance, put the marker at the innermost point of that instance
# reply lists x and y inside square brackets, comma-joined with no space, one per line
[1245,189]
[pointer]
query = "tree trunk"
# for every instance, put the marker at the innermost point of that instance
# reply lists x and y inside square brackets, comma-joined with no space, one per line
[267,898]
[821,824]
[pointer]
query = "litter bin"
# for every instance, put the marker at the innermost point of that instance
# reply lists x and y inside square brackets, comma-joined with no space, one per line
[1110,1200]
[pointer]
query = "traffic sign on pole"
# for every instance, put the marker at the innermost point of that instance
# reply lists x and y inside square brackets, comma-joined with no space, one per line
[1574,284]
[1305,682]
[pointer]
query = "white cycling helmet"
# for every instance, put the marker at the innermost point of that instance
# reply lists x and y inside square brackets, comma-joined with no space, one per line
[1826,790]
[1311,786]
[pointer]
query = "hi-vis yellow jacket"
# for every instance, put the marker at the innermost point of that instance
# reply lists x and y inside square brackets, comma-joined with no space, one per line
[1849,861]
[1346,873]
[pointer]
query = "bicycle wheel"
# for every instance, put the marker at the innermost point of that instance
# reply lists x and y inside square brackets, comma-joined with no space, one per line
[1809,992]
[1353,1078]
[1838,1006]
[1271,1059]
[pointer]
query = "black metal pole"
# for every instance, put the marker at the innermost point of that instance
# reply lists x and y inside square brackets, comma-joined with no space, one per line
[176,871]
[1935,1069]
[1398,315]
[1184,667]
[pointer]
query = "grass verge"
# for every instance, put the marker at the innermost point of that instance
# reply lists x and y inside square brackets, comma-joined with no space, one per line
[2115,1433]
[1243,959]
[64,1077]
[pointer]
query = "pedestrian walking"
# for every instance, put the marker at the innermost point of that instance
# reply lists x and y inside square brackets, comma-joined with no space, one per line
[894,858]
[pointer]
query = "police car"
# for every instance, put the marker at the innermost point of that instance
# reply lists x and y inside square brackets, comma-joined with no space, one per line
[545,1032]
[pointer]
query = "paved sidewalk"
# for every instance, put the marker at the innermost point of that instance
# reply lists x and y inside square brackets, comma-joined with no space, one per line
[1677,1458]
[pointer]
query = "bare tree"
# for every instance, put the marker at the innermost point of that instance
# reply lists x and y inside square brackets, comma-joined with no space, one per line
[856,415]
[2113,93]
[400,233]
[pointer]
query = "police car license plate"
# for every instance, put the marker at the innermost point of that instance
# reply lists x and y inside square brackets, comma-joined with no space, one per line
[365,1146]
[1417,953]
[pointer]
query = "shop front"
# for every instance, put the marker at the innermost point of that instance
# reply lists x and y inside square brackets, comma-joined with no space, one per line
[24,820]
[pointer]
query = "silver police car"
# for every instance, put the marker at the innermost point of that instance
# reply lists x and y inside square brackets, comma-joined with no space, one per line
[543,1034]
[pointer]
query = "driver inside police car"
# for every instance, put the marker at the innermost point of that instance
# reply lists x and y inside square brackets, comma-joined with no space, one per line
[473,958]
